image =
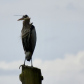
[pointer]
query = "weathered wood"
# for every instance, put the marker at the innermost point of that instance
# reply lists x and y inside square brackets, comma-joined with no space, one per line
[30,75]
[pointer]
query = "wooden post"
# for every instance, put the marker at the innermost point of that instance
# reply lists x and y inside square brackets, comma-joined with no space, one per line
[30,75]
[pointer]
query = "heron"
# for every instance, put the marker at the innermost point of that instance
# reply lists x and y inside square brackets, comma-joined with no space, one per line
[28,36]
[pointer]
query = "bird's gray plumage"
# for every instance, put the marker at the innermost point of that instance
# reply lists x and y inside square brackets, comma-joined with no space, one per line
[29,42]
[28,36]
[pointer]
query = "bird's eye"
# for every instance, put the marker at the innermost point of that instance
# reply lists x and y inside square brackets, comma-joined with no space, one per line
[25,16]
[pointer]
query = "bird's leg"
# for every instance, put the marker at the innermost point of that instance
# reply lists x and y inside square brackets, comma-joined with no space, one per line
[31,62]
[24,62]
[25,58]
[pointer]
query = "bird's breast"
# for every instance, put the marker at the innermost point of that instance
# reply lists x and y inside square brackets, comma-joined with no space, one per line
[25,31]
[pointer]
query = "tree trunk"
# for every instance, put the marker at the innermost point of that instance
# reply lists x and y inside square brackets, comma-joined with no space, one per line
[30,75]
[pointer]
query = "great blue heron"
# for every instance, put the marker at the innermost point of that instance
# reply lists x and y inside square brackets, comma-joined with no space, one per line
[28,36]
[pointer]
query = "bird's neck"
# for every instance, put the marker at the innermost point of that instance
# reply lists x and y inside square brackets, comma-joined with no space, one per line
[26,27]
[26,22]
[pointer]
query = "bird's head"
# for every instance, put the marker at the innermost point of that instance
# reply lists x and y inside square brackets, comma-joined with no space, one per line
[24,17]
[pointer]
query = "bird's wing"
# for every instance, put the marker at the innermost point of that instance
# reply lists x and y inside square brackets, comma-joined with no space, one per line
[33,38]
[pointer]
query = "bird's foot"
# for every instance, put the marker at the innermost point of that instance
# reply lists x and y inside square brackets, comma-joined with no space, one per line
[22,65]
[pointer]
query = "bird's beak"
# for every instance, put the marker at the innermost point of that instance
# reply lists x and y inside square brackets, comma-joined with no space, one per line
[20,19]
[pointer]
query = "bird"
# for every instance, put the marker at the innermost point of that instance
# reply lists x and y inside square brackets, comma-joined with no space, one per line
[28,37]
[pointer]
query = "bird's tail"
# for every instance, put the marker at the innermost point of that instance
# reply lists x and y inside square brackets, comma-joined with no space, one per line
[28,56]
